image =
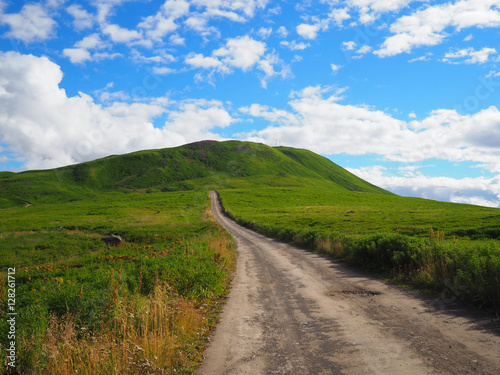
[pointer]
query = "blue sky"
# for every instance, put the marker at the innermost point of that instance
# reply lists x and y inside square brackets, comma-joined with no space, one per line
[403,93]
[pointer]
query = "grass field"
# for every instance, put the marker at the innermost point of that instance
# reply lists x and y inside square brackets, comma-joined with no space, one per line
[88,309]
[147,306]
[424,243]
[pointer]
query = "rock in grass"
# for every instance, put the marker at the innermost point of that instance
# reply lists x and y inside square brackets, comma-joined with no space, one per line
[112,239]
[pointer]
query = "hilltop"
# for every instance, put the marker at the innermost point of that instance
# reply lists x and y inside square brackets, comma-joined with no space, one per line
[199,165]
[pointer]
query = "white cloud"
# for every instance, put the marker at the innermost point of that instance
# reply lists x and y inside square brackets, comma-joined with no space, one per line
[234,10]
[479,191]
[426,57]
[105,9]
[206,114]
[427,27]
[160,57]
[308,31]
[175,8]
[31,24]
[177,40]
[319,122]
[231,8]
[119,34]
[265,32]
[469,56]
[199,23]
[492,73]
[339,15]
[91,41]
[77,55]
[282,31]
[294,46]
[197,60]
[163,70]
[163,22]
[81,51]
[349,46]
[335,68]
[279,117]
[370,10]
[107,96]
[364,50]
[82,19]
[46,128]
[54,4]
[243,52]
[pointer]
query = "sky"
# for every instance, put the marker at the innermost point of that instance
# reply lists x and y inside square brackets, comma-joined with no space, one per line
[404,94]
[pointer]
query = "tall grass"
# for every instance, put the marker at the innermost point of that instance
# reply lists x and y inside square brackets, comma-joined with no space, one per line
[144,307]
[147,334]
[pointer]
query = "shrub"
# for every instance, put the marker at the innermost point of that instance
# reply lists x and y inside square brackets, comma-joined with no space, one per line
[386,251]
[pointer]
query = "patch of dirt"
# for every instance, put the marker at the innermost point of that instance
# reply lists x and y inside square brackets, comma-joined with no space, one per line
[242,149]
[205,143]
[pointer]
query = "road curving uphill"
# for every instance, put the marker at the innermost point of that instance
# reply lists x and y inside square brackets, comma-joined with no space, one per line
[294,312]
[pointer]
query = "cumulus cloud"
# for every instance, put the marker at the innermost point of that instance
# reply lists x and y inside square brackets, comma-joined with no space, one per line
[77,55]
[427,27]
[232,9]
[81,18]
[444,134]
[119,34]
[469,56]
[31,24]
[349,46]
[294,46]
[364,50]
[242,53]
[335,68]
[265,32]
[308,31]
[339,15]
[197,60]
[319,122]
[369,10]
[46,128]
[282,32]
[81,51]
[163,22]
[479,191]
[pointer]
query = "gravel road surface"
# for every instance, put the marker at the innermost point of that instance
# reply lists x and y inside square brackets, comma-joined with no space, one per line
[295,312]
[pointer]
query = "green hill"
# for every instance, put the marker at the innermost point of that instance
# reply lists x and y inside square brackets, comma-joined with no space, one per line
[205,164]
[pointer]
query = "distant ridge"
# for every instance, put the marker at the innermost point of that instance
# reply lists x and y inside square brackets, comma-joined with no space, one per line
[199,165]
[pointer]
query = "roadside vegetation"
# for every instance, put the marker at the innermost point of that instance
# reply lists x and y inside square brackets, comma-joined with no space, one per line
[452,249]
[83,307]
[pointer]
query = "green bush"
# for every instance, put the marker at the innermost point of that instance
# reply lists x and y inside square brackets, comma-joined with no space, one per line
[386,251]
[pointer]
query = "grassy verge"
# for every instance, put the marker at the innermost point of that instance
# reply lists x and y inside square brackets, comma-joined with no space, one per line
[449,248]
[144,307]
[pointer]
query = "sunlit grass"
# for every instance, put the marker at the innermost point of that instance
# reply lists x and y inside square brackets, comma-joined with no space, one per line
[440,246]
[145,305]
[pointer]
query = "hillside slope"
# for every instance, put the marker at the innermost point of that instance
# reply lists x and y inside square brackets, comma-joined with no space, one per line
[205,164]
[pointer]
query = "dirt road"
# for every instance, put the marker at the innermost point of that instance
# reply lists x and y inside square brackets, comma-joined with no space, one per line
[295,312]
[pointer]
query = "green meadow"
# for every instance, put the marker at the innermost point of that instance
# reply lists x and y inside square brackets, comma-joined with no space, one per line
[452,249]
[148,305]
[82,306]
